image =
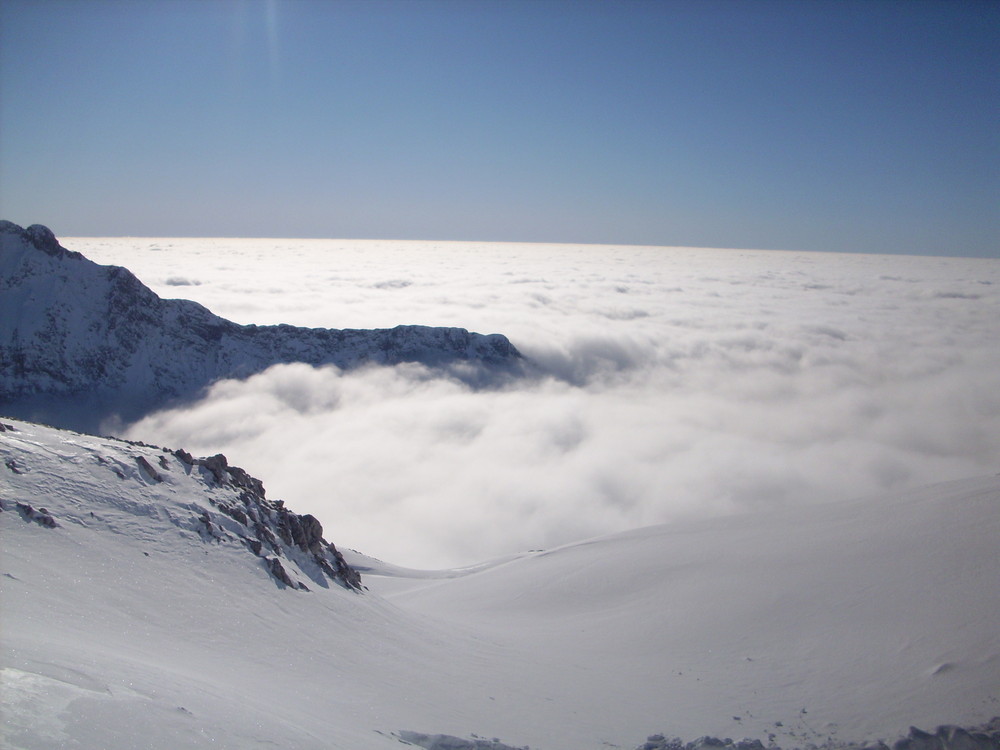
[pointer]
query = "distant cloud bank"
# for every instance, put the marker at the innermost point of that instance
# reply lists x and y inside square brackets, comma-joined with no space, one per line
[676,382]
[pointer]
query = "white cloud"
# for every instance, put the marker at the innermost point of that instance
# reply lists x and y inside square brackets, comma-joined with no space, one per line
[680,382]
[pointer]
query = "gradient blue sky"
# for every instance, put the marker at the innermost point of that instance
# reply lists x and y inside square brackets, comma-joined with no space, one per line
[856,126]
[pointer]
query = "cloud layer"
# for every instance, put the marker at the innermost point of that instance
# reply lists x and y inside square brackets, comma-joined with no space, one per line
[677,382]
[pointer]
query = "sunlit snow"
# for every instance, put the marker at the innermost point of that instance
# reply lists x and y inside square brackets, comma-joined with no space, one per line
[124,625]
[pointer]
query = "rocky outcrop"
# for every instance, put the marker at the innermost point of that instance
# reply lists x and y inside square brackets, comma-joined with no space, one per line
[40,516]
[265,526]
[131,487]
[450,742]
[80,342]
[947,737]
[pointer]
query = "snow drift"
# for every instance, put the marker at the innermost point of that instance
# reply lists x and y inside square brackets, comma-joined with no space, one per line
[136,612]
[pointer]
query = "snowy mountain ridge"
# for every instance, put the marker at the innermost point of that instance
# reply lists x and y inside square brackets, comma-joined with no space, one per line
[80,342]
[202,498]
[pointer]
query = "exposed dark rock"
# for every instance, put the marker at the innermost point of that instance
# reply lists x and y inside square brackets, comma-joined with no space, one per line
[305,532]
[184,456]
[240,478]
[148,468]
[347,574]
[235,513]
[40,516]
[450,742]
[7,427]
[947,737]
[218,465]
[271,523]
[918,740]
[233,509]
[278,571]
[659,742]
[957,738]
[43,238]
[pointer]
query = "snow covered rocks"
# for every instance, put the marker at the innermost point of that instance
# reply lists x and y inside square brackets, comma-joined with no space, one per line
[80,342]
[946,737]
[92,480]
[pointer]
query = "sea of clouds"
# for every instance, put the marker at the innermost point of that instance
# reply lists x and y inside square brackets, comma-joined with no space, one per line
[676,382]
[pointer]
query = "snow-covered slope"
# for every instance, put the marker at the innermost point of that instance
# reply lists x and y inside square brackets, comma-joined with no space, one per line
[137,612]
[852,619]
[81,342]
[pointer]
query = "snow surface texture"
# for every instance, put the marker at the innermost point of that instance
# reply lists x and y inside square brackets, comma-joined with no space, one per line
[128,621]
[80,343]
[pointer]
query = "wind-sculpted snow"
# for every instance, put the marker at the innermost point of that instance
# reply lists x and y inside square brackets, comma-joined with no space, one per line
[80,343]
[136,488]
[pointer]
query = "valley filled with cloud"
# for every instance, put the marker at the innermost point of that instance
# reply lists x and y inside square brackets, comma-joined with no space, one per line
[667,383]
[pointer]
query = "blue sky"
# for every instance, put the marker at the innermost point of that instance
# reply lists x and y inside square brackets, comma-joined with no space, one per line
[848,126]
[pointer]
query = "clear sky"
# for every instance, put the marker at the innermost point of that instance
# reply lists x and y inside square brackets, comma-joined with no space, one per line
[858,126]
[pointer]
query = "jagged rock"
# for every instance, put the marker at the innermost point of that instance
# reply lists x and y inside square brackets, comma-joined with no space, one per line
[184,456]
[279,572]
[305,532]
[918,740]
[99,343]
[271,522]
[346,573]
[235,513]
[947,737]
[216,464]
[704,743]
[40,516]
[957,738]
[148,468]
[240,478]
[659,742]
[450,742]
[225,505]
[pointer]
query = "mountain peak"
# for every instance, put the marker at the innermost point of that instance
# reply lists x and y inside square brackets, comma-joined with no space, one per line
[81,343]
[38,236]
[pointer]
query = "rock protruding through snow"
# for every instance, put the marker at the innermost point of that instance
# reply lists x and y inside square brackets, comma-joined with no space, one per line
[231,506]
[271,525]
[946,737]
[449,742]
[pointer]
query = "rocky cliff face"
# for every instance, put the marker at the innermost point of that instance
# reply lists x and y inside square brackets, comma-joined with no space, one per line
[80,342]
